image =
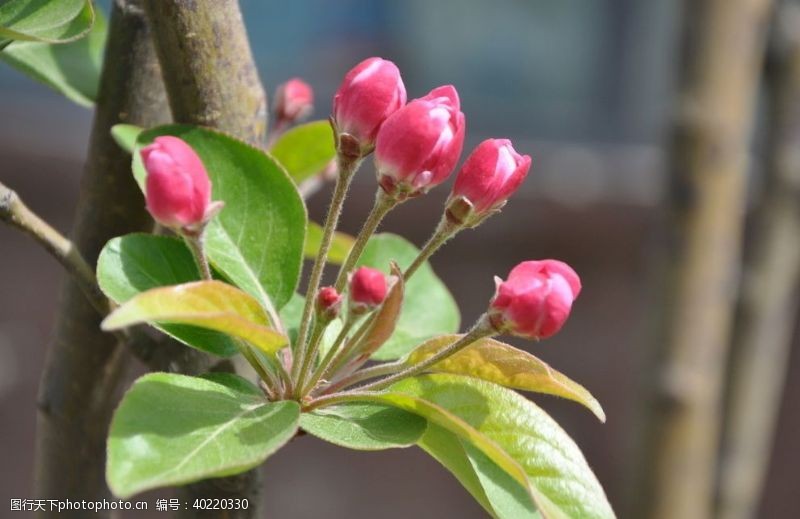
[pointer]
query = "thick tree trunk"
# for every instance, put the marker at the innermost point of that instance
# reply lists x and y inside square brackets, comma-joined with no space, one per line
[84,366]
[769,302]
[211,80]
[722,57]
[209,71]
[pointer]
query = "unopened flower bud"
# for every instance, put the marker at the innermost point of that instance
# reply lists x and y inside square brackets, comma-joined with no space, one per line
[370,92]
[535,300]
[329,302]
[367,289]
[294,100]
[178,190]
[491,174]
[418,146]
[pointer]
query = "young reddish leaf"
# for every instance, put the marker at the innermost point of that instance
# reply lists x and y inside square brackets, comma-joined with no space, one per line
[385,321]
[494,361]
[207,304]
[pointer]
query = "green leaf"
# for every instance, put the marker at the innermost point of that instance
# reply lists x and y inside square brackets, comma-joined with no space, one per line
[208,304]
[45,20]
[505,365]
[125,135]
[72,69]
[135,263]
[340,246]
[173,429]
[257,240]
[561,482]
[428,310]
[305,150]
[364,426]
[499,494]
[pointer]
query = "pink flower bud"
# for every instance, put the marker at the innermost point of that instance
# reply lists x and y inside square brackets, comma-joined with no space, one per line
[329,301]
[293,100]
[536,299]
[367,287]
[418,146]
[178,191]
[491,173]
[370,93]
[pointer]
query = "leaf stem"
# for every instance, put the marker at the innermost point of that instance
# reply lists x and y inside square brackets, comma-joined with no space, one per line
[325,363]
[483,328]
[14,212]
[347,168]
[383,204]
[365,374]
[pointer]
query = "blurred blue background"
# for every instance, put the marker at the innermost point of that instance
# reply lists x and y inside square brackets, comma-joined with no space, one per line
[584,86]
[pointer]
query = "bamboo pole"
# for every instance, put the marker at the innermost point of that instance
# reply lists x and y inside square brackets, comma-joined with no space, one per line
[723,49]
[82,372]
[769,301]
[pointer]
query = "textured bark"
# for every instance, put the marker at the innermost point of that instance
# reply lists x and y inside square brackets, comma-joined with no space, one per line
[769,302]
[83,368]
[723,51]
[208,68]
[211,80]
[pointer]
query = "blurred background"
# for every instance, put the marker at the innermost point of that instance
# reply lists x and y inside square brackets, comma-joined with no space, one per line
[587,87]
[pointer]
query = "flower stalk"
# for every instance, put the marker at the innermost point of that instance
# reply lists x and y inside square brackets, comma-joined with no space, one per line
[349,161]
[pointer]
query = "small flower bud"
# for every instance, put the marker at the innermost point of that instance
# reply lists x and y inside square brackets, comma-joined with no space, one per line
[370,93]
[418,146]
[294,100]
[367,289]
[536,299]
[178,190]
[329,302]
[491,174]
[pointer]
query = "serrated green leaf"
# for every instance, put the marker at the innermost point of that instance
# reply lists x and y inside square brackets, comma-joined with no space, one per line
[135,263]
[125,135]
[364,426]
[45,20]
[428,309]
[305,150]
[494,361]
[560,480]
[73,69]
[340,246]
[173,429]
[208,304]
[257,240]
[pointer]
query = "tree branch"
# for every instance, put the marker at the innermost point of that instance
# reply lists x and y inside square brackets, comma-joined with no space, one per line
[769,301]
[723,50]
[83,369]
[211,80]
[208,68]
[14,212]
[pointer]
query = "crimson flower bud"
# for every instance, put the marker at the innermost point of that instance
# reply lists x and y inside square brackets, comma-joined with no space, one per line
[367,288]
[329,302]
[293,100]
[177,190]
[535,300]
[491,173]
[370,92]
[418,146]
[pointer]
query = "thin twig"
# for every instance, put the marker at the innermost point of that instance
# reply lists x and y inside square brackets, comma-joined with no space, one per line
[14,212]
